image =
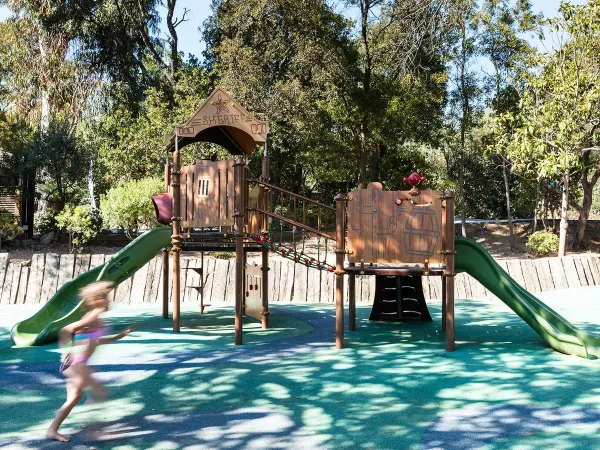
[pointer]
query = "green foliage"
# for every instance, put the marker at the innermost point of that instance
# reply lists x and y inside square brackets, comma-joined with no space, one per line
[223,255]
[542,243]
[81,222]
[44,222]
[8,229]
[129,206]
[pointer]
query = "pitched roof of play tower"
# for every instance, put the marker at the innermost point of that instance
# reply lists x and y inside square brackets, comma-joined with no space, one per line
[221,120]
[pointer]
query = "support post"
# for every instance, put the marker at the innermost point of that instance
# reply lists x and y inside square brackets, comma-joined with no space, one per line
[265,233]
[443,303]
[340,251]
[165,292]
[202,283]
[449,272]
[352,300]
[238,217]
[176,236]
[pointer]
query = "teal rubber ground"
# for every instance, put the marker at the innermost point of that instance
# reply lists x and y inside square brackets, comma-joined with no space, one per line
[393,387]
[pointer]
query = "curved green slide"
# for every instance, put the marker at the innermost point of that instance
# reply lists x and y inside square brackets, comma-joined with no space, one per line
[65,306]
[561,335]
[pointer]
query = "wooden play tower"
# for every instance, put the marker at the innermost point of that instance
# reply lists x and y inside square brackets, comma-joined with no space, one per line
[215,205]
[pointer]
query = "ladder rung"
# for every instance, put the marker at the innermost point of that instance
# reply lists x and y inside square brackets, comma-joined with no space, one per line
[390,301]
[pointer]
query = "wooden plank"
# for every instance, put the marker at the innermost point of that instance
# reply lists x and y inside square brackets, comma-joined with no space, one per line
[220,281]
[558,273]
[542,267]
[50,282]
[96,260]
[275,280]
[8,279]
[459,285]
[477,289]
[65,270]
[595,261]
[151,279]
[288,269]
[515,271]
[139,283]
[571,272]
[16,276]
[327,288]
[532,282]
[435,287]
[300,283]
[593,271]
[581,272]
[314,286]
[3,267]
[123,292]
[23,283]
[36,278]
[230,282]
[82,264]
[209,276]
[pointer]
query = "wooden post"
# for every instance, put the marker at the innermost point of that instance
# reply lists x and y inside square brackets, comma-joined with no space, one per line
[165,292]
[265,233]
[449,273]
[176,237]
[167,176]
[444,241]
[202,283]
[352,300]
[340,252]
[238,216]
[443,303]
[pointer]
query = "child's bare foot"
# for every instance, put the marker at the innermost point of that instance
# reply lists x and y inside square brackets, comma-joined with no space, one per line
[55,435]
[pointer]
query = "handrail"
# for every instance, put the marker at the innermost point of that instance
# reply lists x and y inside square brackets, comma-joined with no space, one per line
[285,191]
[293,222]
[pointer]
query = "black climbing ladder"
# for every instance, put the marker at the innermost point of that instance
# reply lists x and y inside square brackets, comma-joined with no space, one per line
[399,299]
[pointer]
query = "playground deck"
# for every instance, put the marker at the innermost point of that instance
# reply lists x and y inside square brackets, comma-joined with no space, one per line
[393,387]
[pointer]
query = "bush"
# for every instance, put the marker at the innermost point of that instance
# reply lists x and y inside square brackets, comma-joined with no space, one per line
[44,223]
[541,243]
[8,229]
[129,206]
[223,255]
[81,222]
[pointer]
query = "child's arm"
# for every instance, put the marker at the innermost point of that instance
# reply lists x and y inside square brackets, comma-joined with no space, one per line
[121,335]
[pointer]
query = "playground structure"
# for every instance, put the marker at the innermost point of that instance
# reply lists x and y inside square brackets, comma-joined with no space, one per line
[216,205]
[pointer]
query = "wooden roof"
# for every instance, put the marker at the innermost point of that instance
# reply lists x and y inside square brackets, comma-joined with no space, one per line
[221,120]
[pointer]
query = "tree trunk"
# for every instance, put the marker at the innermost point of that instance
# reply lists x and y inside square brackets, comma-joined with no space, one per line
[91,184]
[564,224]
[537,205]
[587,186]
[511,233]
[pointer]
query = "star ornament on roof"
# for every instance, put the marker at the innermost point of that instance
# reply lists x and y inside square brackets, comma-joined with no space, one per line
[221,105]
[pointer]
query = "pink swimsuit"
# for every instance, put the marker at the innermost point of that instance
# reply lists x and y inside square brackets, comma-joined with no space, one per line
[90,334]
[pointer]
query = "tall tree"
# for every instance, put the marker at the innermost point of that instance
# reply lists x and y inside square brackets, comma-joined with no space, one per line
[501,24]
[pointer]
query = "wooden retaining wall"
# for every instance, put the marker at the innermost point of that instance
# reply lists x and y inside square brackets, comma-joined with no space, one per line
[38,280]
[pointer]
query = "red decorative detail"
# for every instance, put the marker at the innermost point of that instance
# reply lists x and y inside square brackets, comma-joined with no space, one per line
[414,179]
[163,206]
[330,269]
[399,200]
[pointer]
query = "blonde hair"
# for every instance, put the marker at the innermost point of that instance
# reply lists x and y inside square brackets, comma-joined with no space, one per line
[97,290]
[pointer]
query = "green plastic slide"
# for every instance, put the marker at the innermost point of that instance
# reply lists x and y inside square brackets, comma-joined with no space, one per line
[561,335]
[65,306]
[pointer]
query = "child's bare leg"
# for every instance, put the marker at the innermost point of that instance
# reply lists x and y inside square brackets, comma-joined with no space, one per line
[74,394]
[100,393]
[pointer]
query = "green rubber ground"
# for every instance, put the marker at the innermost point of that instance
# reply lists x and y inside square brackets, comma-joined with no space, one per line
[393,387]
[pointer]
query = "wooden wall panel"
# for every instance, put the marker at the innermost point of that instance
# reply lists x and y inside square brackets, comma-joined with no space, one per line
[382,231]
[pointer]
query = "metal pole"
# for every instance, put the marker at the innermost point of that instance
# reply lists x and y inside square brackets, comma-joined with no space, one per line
[238,216]
[176,236]
[340,251]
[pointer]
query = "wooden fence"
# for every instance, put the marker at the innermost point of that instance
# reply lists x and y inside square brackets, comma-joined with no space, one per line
[37,280]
